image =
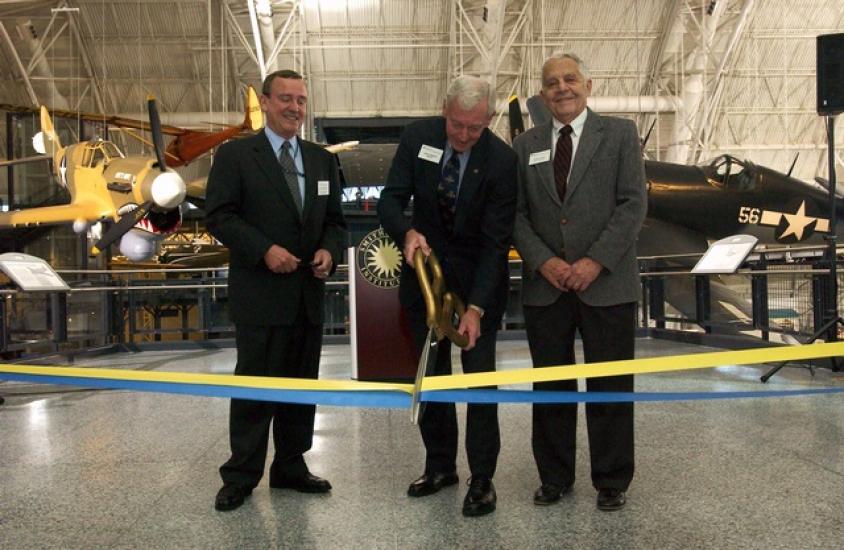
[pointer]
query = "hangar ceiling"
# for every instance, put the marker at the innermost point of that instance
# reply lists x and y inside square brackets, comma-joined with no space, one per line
[735,76]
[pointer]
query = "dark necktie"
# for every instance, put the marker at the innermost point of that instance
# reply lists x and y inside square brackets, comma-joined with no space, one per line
[291,174]
[562,161]
[447,191]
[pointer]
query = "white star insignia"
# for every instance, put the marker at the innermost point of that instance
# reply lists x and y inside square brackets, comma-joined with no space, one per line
[797,222]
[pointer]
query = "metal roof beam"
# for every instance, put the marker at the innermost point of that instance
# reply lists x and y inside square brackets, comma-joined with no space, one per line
[21,69]
[239,34]
[287,30]
[259,30]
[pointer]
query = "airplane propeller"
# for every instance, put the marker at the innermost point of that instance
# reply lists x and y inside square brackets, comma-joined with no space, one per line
[157,136]
[167,190]
[127,222]
[514,117]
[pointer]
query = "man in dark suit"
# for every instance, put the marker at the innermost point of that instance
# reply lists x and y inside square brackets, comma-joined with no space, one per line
[581,203]
[462,181]
[274,200]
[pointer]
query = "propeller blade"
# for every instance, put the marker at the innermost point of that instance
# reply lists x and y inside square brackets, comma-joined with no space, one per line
[648,135]
[116,231]
[157,136]
[514,116]
[793,164]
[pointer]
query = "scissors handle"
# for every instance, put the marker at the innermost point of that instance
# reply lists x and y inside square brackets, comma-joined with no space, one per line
[428,293]
[440,306]
[451,304]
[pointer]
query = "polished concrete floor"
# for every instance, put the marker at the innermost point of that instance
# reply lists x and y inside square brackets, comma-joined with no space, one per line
[118,469]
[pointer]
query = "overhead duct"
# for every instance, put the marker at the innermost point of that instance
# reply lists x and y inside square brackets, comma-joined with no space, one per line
[29,39]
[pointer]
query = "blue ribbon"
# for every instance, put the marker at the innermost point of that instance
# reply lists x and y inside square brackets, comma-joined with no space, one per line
[393,399]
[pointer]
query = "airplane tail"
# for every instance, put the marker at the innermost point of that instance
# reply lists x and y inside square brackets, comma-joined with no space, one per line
[51,138]
[254,119]
[52,145]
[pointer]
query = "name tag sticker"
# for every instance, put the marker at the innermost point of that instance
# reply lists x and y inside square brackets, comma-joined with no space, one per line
[431,154]
[540,157]
[322,187]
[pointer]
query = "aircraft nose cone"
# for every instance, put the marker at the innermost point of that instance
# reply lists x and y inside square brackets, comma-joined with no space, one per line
[168,190]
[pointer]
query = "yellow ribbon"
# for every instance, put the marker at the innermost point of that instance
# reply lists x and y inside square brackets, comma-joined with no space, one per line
[459,381]
[633,366]
[211,379]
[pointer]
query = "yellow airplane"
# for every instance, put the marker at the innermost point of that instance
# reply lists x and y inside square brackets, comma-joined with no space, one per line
[104,185]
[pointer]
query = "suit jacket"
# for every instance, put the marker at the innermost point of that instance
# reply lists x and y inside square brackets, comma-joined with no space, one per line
[604,207]
[249,208]
[474,256]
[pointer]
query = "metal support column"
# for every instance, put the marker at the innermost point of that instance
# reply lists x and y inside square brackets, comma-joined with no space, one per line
[656,294]
[58,317]
[759,292]
[703,308]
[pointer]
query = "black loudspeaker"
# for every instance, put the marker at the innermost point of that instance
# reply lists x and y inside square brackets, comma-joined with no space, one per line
[830,74]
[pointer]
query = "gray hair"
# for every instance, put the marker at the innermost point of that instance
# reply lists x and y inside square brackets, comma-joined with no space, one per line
[581,65]
[469,91]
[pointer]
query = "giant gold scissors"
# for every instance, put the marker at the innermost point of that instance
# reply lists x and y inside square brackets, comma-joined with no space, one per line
[440,306]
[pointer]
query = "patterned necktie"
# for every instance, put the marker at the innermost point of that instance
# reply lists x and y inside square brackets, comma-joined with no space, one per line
[447,191]
[291,174]
[562,161]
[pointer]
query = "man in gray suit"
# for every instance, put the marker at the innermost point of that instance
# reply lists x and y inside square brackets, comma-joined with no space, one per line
[581,203]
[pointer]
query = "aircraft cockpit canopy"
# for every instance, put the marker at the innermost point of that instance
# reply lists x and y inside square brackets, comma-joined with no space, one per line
[100,151]
[728,172]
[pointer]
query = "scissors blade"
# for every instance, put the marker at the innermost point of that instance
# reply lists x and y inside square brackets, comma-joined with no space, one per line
[426,366]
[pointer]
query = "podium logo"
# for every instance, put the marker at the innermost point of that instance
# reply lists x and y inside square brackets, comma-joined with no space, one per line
[379,259]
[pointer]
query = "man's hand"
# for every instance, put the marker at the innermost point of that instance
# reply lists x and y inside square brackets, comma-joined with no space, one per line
[321,264]
[413,240]
[279,260]
[582,273]
[556,270]
[470,326]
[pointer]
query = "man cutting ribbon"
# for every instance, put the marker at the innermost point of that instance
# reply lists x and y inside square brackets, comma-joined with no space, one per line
[462,181]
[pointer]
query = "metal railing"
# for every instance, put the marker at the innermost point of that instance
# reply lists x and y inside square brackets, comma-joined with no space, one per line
[777,290]
[781,291]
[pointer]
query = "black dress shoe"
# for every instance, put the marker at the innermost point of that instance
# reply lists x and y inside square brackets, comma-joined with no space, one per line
[231,496]
[429,484]
[308,483]
[610,499]
[549,493]
[480,499]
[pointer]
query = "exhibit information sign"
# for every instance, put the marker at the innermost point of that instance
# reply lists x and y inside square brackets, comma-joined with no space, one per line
[726,255]
[31,273]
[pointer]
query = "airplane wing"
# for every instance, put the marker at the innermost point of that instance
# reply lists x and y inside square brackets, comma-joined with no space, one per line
[93,117]
[63,213]
[727,307]
[660,238]
[367,164]
[195,189]
[345,146]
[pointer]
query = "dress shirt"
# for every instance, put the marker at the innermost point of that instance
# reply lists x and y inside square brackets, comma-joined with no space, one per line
[577,130]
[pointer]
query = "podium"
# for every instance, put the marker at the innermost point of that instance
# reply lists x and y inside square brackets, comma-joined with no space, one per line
[381,341]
